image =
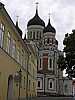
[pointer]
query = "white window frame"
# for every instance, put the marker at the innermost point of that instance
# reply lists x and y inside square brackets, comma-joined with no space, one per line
[13,48]
[8,42]
[39,80]
[51,80]
[50,67]
[2,28]
[40,67]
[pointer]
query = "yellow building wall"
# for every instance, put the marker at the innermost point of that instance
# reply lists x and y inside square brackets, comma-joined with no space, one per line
[9,65]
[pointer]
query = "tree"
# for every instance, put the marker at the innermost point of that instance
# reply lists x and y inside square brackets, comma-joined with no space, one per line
[68,62]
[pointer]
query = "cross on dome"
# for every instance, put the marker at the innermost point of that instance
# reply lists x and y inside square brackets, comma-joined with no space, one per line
[37,5]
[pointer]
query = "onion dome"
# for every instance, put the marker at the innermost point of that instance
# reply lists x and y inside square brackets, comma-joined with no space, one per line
[49,28]
[36,20]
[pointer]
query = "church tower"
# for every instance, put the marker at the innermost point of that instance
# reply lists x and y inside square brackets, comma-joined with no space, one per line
[35,28]
[48,73]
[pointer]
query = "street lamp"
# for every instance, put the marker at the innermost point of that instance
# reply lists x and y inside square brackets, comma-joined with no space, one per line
[18,78]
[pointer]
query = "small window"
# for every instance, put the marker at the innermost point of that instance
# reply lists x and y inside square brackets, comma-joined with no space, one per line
[38,83]
[1,34]
[40,62]
[13,48]
[50,84]
[50,63]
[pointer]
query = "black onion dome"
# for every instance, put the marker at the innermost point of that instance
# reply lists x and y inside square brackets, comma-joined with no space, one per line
[49,28]
[36,20]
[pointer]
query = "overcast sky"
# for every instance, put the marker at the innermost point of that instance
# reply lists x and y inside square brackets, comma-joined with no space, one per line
[62,14]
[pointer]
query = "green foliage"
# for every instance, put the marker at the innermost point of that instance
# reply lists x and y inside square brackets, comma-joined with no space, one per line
[61,62]
[68,62]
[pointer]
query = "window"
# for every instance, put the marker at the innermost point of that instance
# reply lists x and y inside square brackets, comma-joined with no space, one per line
[8,43]
[39,84]
[50,64]
[13,48]
[51,84]
[1,34]
[40,63]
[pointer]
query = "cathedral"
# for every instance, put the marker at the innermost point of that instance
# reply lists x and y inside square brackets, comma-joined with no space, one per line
[50,80]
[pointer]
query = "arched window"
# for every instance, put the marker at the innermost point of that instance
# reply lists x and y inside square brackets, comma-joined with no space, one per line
[51,84]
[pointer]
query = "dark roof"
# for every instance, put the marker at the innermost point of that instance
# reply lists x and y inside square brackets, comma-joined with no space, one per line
[36,20]
[1,4]
[49,28]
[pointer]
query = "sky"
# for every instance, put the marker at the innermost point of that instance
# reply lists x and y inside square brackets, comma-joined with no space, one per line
[62,14]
